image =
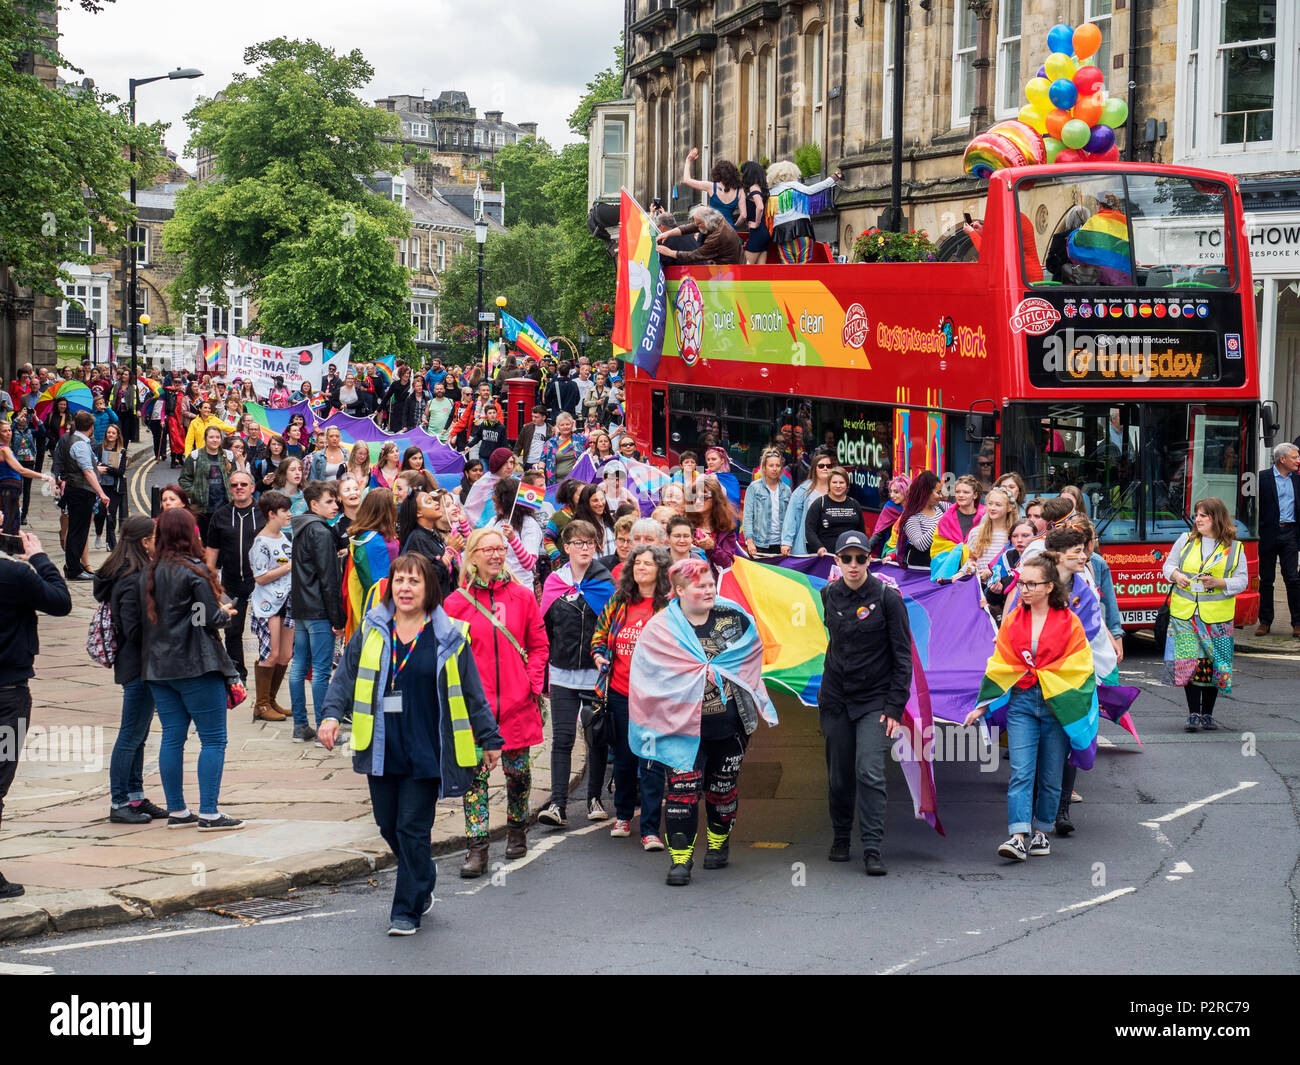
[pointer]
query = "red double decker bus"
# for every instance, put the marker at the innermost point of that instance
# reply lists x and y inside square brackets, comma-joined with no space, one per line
[1095,331]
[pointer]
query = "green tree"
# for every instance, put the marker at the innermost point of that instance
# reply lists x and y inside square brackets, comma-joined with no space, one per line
[524,168]
[607,85]
[64,165]
[340,283]
[291,144]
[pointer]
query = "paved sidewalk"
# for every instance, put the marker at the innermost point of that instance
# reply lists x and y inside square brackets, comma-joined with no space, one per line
[309,814]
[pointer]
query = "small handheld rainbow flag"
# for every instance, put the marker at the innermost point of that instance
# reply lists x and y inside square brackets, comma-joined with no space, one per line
[529,497]
[212,351]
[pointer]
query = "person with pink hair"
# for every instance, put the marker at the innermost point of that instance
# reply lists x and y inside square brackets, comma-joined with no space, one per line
[884,533]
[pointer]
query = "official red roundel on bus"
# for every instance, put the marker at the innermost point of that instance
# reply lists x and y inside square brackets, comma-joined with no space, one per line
[1035,316]
[856,329]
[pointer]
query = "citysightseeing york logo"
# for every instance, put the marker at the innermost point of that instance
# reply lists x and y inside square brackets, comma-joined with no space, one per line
[1034,316]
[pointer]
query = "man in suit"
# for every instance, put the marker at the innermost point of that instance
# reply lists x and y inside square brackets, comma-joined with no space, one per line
[1279,499]
[532,439]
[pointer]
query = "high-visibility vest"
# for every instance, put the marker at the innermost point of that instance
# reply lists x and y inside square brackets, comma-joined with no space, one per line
[1215,605]
[363,699]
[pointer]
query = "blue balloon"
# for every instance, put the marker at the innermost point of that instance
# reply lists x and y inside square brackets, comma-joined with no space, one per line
[1103,137]
[1063,93]
[1060,38]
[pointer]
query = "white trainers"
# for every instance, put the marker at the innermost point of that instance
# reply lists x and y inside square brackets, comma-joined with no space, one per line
[99,543]
[596,811]
[1039,844]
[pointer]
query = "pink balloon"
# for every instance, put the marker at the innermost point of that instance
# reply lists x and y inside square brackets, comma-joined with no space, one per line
[1071,155]
[1110,155]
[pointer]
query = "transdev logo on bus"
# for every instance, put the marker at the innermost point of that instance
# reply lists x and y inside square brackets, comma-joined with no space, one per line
[1034,316]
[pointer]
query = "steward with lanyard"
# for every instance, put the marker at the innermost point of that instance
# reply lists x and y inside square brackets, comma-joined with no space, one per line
[418,712]
[511,650]
[1207,569]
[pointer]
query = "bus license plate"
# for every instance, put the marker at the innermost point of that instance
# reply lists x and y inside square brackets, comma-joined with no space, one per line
[1138,617]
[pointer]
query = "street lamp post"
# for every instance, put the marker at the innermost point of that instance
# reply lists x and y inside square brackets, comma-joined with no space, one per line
[180,73]
[480,237]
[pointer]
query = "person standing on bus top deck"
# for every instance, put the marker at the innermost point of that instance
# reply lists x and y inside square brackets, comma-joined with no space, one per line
[833,514]
[1279,497]
[723,186]
[865,685]
[791,206]
[718,240]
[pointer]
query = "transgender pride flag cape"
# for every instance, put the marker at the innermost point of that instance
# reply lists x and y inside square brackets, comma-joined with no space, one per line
[666,684]
[1068,682]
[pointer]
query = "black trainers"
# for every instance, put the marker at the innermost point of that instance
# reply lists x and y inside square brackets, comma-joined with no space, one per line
[1064,826]
[679,875]
[154,811]
[303,733]
[1040,844]
[717,857]
[553,815]
[128,815]
[188,821]
[839,851]
[873,865]
[1208,723]
[9,890]
[1014,849]
[1193,723]
[222,823]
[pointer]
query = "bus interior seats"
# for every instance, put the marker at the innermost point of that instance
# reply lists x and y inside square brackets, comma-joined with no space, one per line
[1160,277]
[956,246]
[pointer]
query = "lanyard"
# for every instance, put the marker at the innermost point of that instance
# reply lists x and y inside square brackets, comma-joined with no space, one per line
[399,666]
[1214,557]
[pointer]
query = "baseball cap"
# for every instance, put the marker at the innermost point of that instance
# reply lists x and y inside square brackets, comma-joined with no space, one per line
[852,538]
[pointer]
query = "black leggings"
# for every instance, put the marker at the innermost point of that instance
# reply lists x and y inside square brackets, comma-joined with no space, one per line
[1200,700]
[112,517]
[716,771]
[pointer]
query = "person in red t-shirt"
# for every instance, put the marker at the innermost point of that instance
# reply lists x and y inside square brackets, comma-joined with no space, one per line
[643,590]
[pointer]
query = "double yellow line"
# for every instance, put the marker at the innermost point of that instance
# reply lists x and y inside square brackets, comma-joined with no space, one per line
[138,486]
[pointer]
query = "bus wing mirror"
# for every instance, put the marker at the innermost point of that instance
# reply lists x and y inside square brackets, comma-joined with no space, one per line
[1268,423]
[979,427]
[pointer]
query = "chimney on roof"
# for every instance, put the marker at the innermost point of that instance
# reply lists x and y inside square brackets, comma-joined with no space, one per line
[529,127]
[493,116]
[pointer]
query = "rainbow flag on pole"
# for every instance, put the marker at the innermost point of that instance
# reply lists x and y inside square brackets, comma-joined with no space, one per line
[524,338]
[529,497]
[641,302]
[212,352]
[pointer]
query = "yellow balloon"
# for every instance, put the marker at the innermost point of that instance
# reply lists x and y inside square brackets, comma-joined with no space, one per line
[1033,118]
[1036,90]
[1060,65]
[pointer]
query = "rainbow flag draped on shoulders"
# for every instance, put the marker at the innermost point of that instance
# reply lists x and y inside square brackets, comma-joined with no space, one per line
[365,577]
[1068,682]
[666,684]
[948,553]
[641,295]
[1102,241]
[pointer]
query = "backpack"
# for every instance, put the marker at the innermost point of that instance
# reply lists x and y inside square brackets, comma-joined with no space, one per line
[101,638]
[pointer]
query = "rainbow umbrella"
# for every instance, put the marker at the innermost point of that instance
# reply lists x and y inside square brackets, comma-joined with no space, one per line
[76,393]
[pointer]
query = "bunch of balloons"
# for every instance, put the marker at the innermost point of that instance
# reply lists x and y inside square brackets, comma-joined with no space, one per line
[1068,103]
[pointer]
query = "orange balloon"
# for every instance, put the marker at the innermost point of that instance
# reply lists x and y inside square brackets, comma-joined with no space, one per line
[1055,121]
[1088,109]
[1087,39]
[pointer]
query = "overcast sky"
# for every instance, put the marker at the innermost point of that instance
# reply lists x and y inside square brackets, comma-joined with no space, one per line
[528,59]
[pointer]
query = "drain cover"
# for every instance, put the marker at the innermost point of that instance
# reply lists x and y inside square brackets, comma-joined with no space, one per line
[258,909]
[979,876]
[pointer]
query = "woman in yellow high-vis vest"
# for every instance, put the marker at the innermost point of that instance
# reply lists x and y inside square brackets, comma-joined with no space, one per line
[419,717]
[1207,569]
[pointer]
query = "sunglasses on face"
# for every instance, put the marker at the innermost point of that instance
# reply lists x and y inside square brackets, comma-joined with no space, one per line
[854,560]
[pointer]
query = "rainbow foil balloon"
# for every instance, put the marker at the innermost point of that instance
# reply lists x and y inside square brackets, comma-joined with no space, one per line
[1010,143]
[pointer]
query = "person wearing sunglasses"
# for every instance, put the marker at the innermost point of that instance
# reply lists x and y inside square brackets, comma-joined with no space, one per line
[794,537]
[865,684]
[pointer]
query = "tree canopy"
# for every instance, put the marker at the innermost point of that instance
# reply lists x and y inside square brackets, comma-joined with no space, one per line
[64,170]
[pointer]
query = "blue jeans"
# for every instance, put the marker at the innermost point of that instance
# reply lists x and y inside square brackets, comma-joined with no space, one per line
[203,701]
[404,808]
[126,767]
[1037,746]
[652,796]
[625,760]
[313,648]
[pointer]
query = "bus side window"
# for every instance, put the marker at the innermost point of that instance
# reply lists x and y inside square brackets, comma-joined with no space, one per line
[1033,265]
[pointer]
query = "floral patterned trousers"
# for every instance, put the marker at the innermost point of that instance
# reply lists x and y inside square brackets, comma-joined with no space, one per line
[517,767]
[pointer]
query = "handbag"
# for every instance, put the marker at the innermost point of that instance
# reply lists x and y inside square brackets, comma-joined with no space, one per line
[1160,630]
[596,721]
[101,639]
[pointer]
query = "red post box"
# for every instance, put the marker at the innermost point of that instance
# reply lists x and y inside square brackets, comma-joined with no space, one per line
[521,394]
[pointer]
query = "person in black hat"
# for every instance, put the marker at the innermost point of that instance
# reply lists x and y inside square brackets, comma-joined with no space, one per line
[865,684]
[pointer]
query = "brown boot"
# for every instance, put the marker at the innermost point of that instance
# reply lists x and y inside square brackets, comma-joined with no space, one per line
[262,709]
[476,858]
[277,678]
[516,841]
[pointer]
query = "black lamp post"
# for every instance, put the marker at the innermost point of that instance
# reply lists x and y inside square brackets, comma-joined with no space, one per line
[128,318]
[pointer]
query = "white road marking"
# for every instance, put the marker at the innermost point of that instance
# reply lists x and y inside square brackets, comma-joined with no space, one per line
[1098,900]
[1192,807]
[902,965]
[10,968]
[1182,867]
[535,851]
[178,932]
